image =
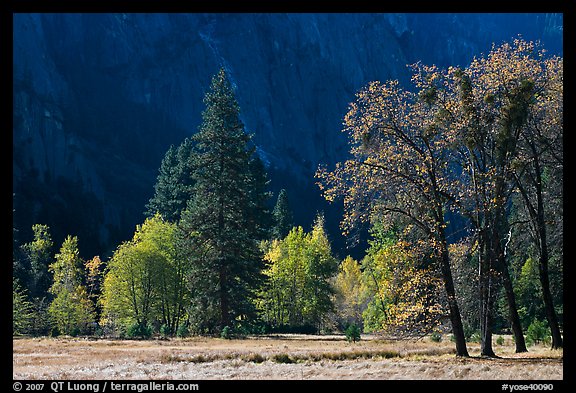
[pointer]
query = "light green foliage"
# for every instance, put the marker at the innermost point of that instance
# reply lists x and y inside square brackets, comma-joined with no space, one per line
[71,310]
[298,293]
[21,310]
[528,290]
[349,293]
[146,279]
[538,332]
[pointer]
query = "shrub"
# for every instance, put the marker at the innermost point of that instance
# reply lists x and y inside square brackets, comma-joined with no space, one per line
[226,333]
[500,340]
[475,337]
[436,337]
[183,331]
[537,332]
[75,332]
[164,330]
[139,330]
[282,358]
[352,333]
[54,331]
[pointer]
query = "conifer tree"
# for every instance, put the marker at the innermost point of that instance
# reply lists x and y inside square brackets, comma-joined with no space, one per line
[22,313]
[174,183]
[37,256]
[220,225]
[282,214]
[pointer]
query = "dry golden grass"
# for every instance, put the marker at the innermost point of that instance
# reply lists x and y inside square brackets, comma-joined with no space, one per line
[281,357]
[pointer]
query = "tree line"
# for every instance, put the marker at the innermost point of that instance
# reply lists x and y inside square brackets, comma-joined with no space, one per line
[200,262]
[460,180]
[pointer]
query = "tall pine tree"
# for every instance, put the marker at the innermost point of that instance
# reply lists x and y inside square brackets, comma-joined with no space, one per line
[222,225]
[173,186]
[282,214]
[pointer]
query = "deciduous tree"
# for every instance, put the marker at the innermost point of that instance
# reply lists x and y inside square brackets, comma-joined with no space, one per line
[399,167]
[71,310]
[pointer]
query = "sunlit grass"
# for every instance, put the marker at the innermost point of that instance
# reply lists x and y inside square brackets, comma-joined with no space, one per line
[267,357]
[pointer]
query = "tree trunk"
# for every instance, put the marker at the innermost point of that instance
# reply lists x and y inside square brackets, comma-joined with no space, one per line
[224,307]
[455,318]
[546,294]
[486,302]
[549,306]
[539,227]
[513,316]
[543,263]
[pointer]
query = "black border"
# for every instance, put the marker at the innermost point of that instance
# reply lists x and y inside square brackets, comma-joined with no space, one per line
[298,6]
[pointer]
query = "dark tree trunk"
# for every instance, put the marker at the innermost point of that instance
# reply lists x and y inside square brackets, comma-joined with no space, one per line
[224,307]
[513,316]
[543,262]
[454,310]
[455,318]
[549,306]
[486,301]
[502,268]
[537,216]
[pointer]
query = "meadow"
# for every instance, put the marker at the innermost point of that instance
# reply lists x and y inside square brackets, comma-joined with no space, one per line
[275,357]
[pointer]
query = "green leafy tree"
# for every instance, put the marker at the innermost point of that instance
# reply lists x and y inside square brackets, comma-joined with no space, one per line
[298,292]
[221,219]
[283,221]
[71,310]
[146,280]
[349,290]
[528,290]
[322,266]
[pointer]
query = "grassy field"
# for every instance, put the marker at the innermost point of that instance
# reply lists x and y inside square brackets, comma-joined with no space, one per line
[274,357]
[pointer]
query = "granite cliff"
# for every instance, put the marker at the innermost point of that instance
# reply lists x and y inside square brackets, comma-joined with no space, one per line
[99,98]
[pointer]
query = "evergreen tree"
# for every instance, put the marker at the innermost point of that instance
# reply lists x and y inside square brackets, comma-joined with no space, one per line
[22,314]
[282,214]
[37,255]
[262,217]
[174,183]
[220,226]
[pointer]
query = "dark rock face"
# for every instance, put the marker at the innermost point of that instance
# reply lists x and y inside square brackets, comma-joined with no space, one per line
[98,98]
